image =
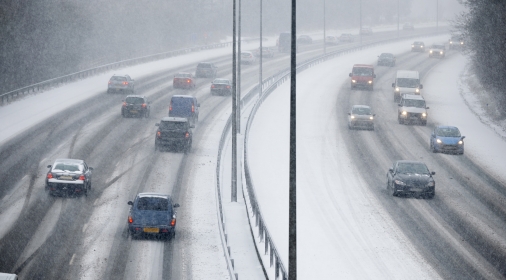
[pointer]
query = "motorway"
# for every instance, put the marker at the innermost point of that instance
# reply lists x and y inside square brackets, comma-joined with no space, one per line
[85,237]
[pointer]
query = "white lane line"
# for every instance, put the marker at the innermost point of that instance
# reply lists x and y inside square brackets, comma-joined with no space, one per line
[85,226]
[72,259]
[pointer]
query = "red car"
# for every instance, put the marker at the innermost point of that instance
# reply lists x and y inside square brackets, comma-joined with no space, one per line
[362,76]
[183,80]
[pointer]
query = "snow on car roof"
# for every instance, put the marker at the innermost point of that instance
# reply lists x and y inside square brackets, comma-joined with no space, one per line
[407,74]
[149,194]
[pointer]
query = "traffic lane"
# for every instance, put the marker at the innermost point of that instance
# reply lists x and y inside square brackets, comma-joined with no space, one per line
[407,146]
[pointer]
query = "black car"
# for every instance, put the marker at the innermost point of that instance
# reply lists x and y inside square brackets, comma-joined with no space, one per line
[411,177]
[304,39]
[135,105]
[418,47]
[174,132]
[67,177]
[386,59]
[221,87]
[152,214]
[206,69]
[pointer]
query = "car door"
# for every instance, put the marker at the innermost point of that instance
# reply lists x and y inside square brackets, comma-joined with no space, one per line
[87,173]
[390,175]
[433,137]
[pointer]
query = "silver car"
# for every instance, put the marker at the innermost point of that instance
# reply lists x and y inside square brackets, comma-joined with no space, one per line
[121,83]
[361,116]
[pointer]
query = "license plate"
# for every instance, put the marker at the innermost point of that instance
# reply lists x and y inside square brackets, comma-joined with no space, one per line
[133,111]
[66,178]
[152,230]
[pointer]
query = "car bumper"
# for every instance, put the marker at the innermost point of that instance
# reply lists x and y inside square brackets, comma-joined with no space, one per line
[133,112]
[151,231]
[362,124]
[221,91]
[65,189]
[172,142]
[456,149]
[415,190]
[413,117]
[362,85]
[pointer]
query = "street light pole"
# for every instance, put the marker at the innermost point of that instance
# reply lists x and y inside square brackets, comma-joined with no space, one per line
[292,209]
[398,16]
[437,16]
[234,107]
[260,83]
[324,35]
[238,125]
[360,27]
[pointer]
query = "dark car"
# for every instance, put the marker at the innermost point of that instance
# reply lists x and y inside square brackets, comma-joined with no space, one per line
[67,177]
[418,47]
[184,106]
[446,139]
[456,42]
[135,105]
[266,52]
[386,59]
[346,37]
[221,87]
[366,30]
[361,116]
[121,83]
[408,26]
[174,132]
[304,39]
[183,80]
[152,215]
[411,177]
[206,69]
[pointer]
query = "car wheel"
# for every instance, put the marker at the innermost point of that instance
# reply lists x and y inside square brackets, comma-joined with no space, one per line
[85,190]
[424,123]
[156,147]
[393,192]
[430,195]
[400,120]
[372,127]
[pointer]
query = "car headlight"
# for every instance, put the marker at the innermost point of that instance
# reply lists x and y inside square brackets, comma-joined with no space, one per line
[438,141]
[421,46]
[412,46]
[352,116]
[417,90]
[353,81]
[430,51]
[370,82]
[441,52]
[451,42]
[399,182]
[431,184]
[462,43]
[396,89]
[371,118]
[404,113]
[424,115]
[461,142]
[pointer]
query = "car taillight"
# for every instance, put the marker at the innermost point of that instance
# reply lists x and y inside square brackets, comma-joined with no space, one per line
[170,106]
[193,108]
[50,175]
[158,134]
[187,135]
[187,80]
[144,105]
[125,83]
[109,82]
[130,219]
[124,104]
[212,86]
[228,86]
[82,178]
[173,222]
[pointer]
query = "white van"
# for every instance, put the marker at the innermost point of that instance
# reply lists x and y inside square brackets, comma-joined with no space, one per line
[406,82]
[7,276]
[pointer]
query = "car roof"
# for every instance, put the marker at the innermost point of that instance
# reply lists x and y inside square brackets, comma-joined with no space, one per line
[220,80]
[134,95]
[174,119]
[412,96]
[205,62]
[407,74]
[387,53]
[363,65]
[152,194]
[78,161]
[446,126]
[246,52]
[417,42]
[409,161]
[183,96]
[360,106]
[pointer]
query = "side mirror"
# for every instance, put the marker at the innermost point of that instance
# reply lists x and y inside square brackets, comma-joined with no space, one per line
[90,168]
[130,203]
[176,205]
[462,138]
[399,104]
[393,84]
[349,114]
[157,124]
[433,173]
[421,86]
[374,75]
[374,115]
[427,108]
[349,75]
[49,166]
[390,170]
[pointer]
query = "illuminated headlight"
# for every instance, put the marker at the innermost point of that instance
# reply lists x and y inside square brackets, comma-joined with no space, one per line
[430,51]
[424,115]
[431,184]
[404,113]
[462,43]
[353,81]
[399,182]
[417,90]
[412,46]
[421,46]
[461,142]
[371,118]
[370,82]
[438,141]
[396,89]
[352,116]
[451,42]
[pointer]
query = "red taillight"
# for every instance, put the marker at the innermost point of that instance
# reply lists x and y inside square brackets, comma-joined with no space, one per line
[212,86]
[130,219]
[124,104]
[50,175]
[144,105]
[228,86]
[173,222]
[158,134]
[125,83]
[110,82]
[187,135]
[187,80]
[193,108]
[82,178]
[170,107]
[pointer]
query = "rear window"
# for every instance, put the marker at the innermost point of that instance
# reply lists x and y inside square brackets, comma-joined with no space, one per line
[387,55]
[414,103]
[362,71]
[448,132]
[172,126]
[118,78]
[183,75]
[181,102]
[412,167]
[221,81]
[153,204]
[134,100]
[204,65]
[67,167]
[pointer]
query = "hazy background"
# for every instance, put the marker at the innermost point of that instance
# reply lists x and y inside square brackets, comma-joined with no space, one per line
[44,39]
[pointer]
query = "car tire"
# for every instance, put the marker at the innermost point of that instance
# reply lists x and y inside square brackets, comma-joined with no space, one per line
[424,123]
[430,195]
[157,148]
[372,127]
[146,114]
[400,120]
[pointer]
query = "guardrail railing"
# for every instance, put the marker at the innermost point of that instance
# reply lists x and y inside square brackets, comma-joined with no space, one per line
[272,83]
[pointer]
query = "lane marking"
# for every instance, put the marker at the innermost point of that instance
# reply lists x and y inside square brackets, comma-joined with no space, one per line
[72,259]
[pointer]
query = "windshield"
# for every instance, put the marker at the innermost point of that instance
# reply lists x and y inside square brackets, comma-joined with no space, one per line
[134,100]
[362,71]
[414,103]
[448,132]
[361,111]
[386,55]
[66,167]
[412,167]
[407,82]
[220,81]
[153,204]
[118,78]
[438,46]
[204,65]
[172,126]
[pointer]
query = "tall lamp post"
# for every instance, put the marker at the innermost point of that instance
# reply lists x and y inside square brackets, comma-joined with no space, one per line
[360,24]
[234,108]
[292,209]
[437,16]
[324,35]
[261,55]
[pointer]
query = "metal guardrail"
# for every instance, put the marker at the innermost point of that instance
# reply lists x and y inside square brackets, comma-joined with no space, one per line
[273,83]
[12,95]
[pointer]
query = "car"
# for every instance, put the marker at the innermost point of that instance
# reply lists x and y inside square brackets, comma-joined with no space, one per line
[152,215]
[248,57]
[266,52]
[360,116]
[408,177]
[408,26]
[183,80]
[406,81]
[362,76]
[221,87]
[68,177]
[346,37]
[456,42]
[386,59]
[284,42]
[437,51]
[122,83]
[366,30]
[175,133]
[135,105]
[418,46]
[206,70]
[412,109]
[185,106]
[446,139]
[331,40]
[304,39]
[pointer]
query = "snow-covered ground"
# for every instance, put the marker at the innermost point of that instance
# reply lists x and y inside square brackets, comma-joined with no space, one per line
[342,246]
